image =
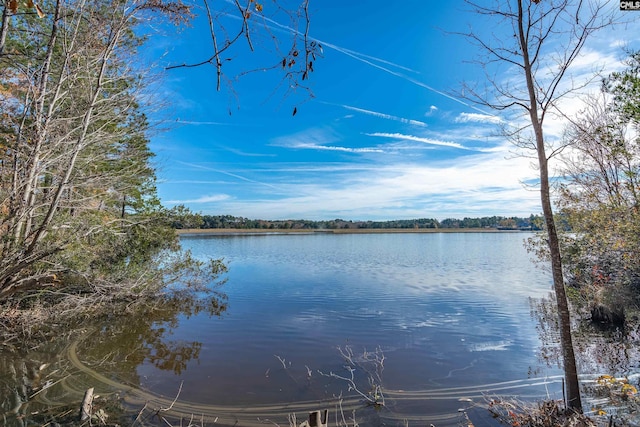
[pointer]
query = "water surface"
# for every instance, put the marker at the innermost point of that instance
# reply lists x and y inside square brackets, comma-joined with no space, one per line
[447,310]
[449,313]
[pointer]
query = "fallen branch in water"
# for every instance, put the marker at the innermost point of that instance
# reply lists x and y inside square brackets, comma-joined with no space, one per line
[87,403]
[375,397]
[174,400]
[372,364]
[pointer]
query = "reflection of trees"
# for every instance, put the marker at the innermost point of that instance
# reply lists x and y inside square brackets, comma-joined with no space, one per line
[119,344]
[124,342]
[601,352]
[613,351]
[18,376]
[545,314]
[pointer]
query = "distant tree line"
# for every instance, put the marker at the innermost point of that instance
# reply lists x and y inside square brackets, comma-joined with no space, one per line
[182,218]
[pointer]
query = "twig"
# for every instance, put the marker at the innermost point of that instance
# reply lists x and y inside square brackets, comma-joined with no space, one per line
[378,397]
[341,411]
[347,353]
[45,387]
[375,396]
[268,421]
[353,418]
[139,414]
[245,13]
[174,400]
[293,421]
[282,360]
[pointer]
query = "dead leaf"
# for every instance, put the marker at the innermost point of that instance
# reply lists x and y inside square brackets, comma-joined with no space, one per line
[13,6]
[39,11]
[295,110]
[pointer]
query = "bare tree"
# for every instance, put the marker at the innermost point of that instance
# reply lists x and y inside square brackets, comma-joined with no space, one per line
[540,40]
[275,34]
[72,136]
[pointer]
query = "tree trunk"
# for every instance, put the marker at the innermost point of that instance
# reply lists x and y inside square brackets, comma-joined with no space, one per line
[80,142]
[566,343]
[25,222]
[4,28]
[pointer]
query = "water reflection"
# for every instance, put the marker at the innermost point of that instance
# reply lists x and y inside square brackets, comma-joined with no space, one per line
[608,360]
[449,312]
[46,378]
[147,337]
[599,350]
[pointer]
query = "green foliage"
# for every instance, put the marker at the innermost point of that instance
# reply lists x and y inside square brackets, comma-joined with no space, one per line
[78,205]
[181,217]
[625,88]
[184,218]
[601,196]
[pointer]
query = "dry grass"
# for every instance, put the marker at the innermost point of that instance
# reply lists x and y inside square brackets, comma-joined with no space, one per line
[549,413]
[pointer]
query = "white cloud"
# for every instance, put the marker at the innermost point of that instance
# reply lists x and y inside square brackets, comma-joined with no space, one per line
[484,184]
[203,123]
[337,148]
[386,116]
[429,141]
[200,200]
[233,175]
[319,139]
[432,110]
[583,78]
[478,118]
[245,153]
[313,136]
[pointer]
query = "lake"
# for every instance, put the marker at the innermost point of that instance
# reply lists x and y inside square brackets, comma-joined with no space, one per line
[439,320]
[449,311]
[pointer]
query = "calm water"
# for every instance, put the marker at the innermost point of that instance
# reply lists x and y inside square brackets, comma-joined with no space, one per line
[449,312]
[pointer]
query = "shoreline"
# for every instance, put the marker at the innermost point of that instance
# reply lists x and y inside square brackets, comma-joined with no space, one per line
[259,231]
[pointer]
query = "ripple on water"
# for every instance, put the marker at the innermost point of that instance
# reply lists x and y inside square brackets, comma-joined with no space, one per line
[450,312]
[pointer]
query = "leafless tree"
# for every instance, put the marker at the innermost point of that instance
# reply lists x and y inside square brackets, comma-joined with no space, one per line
[277,34]
[539,41]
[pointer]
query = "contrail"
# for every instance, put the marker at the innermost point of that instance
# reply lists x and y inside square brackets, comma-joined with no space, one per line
[429,141]
[230,174]
[191,122]
[367,59]
[377,114]
[346,51]
[402,76]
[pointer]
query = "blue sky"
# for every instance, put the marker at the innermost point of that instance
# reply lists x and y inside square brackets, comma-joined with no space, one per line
[386,134]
